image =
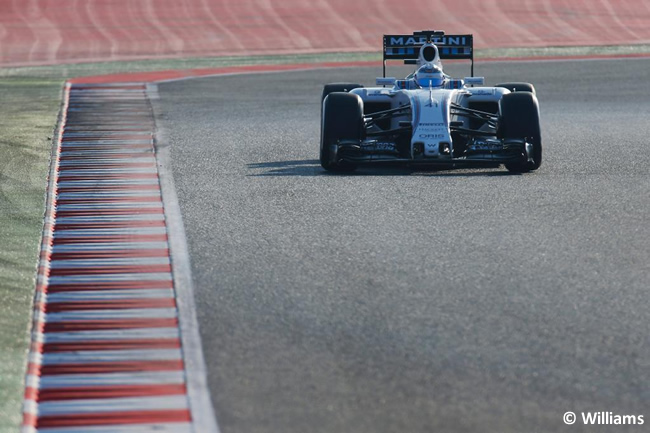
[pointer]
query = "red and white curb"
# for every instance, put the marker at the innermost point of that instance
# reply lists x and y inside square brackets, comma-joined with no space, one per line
[107,351]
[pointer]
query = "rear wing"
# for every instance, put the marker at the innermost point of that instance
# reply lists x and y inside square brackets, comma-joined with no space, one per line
[407,47]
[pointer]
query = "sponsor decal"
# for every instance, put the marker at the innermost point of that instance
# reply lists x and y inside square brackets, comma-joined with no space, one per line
[399,41]
[379,145]
[432,136]
[483,92]
[385,146]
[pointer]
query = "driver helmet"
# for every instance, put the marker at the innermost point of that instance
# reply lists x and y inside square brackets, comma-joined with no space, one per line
[429,75]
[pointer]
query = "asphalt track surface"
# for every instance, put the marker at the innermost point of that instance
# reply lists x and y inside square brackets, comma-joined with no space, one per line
[414,300]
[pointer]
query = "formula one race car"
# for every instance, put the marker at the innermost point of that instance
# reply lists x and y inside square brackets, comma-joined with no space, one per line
[429,117]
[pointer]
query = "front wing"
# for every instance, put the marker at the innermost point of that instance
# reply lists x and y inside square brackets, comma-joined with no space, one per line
[490,153]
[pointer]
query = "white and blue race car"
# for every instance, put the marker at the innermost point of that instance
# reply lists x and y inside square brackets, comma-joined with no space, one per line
[428,117]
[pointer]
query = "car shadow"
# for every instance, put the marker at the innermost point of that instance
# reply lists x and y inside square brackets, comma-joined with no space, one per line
[312,167]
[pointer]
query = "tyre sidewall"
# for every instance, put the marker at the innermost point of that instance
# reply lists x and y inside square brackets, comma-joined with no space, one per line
[519,118]
[342,119]
[518,87]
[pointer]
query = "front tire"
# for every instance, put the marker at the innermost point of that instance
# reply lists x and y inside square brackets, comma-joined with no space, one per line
[342,119]
[519,118]
[338,87]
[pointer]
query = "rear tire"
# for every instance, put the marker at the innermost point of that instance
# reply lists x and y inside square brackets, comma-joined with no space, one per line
[519,119]
[342,119]
[518,87]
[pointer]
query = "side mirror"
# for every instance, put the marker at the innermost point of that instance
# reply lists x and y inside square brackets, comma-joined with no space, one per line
[385,81]
[475,81]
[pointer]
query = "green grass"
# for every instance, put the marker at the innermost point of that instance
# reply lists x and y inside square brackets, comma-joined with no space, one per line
[28,114]
[86,69]
[599,50]
[29,105]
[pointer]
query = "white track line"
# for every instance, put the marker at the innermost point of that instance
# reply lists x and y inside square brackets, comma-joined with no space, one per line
[108,314]
[95,263]
[104,134]
[106,379]
[71,144]
[103,171]
[109,246]
[105,150]
[130,428]
[109,278]
[204,418]
[106,161]
[103,218]
[108,195]
[121,334]
[101,295]
[65,234]
[103,182]
[115,206]
[94,356]
[91,406]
